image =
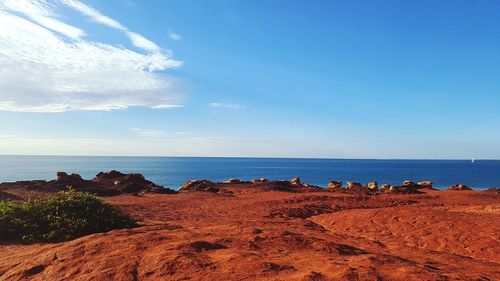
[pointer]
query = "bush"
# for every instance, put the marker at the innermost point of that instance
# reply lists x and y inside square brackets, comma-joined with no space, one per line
[60,216]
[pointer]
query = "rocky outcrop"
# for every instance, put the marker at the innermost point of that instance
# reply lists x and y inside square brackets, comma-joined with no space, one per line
[293,185]
[409,189]
[372,186]
[409,184]
[259,181]
[279,185]
[459,187]
[104,184]
[495,190]
[353,185]
[127,183]
[425,184]
[295,181]
[234,181]
[385,187]
[64,177]
[113,174]
[199,185]
[334,184]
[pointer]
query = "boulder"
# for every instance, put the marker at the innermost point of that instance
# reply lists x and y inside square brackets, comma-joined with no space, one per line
[295,181]
[113,174]
[62,176]
[409,184]
[334,184]
[351,185]
[459,187]
[199,185]
[261,180]
[280,185]
[425,184]
[134,183]
[373,186]
[234,181]
[73,180]
[399,189]
[385,187]
[493,190]
[287,186]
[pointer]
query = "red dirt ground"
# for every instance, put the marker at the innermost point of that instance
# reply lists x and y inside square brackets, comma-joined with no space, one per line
[275,235]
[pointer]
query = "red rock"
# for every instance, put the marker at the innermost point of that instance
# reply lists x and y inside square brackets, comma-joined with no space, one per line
[234,181]
[409,184]
[259,181]
[425,184]
[199,185]
[459,187]
[295,181]
[385,187]
[351,185]
[334,184]
[104,184]
[373,186]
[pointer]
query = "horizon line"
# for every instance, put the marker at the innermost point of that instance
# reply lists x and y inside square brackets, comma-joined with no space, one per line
[250,157]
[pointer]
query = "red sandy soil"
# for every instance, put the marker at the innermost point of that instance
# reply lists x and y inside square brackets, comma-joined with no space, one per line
[276,235]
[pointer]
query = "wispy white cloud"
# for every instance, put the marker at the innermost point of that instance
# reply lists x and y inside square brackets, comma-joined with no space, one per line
[157,133]
[40,71]
[174,36]
[182,133]
[43,14]
[141,42]
[226,105]
[138,40]
[7,136]
[93,14]
[147,133]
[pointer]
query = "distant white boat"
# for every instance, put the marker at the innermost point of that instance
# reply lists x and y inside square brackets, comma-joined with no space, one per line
[472,160]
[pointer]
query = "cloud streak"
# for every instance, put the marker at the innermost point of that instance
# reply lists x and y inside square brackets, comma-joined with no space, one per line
[147,133]
[226,105]
[137,40]
[47,66]
[174,36]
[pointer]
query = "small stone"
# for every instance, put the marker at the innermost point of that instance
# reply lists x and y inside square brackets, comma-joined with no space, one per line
[351,184]
[372,185]
[334,184]
[295,181]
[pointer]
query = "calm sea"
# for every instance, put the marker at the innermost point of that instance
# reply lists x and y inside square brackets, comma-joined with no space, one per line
[173,171]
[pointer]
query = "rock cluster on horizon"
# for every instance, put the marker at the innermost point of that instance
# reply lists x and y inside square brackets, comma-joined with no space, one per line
[459,187]
[104,184]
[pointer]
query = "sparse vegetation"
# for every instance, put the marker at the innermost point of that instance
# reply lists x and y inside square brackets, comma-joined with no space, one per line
[60,216]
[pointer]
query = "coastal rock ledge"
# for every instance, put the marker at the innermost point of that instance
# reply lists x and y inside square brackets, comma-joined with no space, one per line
[103,184]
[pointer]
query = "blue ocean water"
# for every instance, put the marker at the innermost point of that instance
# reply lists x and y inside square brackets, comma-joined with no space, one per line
[174,171]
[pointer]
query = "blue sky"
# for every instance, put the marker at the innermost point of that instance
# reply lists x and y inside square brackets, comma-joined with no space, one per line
[334,79]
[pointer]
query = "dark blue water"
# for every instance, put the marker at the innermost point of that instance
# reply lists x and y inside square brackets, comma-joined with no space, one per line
[173,171]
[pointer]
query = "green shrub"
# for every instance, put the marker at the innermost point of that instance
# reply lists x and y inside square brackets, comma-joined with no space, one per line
[60,216]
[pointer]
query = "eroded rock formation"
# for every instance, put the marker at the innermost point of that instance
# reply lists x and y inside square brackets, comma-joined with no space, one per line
[199,185]
[373,186]
[104,184]
[334,184]
[459,187]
